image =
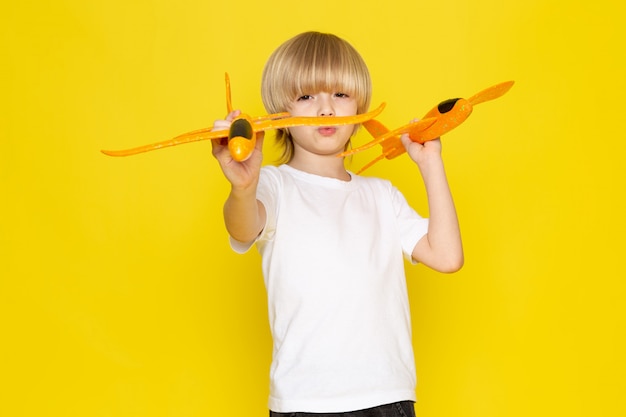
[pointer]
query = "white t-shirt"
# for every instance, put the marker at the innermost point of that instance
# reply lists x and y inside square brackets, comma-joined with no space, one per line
[338,307]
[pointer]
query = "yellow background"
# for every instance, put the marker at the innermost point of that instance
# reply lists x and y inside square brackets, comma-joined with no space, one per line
[119,295]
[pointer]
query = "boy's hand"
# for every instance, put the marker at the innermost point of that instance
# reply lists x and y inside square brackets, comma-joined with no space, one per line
[424,153]
[241,175]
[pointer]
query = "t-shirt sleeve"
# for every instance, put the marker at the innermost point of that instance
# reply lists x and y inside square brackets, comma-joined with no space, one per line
[411,225]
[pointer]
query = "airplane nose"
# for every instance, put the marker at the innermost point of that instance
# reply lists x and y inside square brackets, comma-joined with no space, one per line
[241,139]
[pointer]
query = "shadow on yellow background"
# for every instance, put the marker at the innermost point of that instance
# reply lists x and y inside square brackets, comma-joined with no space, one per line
[119,295]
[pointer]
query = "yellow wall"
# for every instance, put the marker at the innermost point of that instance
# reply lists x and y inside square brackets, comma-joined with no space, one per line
[119,295]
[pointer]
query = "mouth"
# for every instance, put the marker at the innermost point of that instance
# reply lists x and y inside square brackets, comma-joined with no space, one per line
[327,131]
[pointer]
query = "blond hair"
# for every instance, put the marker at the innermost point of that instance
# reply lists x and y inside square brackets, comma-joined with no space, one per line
[308,63]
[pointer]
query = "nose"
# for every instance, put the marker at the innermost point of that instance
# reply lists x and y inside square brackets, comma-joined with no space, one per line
[325,105]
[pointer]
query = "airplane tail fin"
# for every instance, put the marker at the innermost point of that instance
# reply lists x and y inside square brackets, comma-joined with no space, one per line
[375,128]
[491,93]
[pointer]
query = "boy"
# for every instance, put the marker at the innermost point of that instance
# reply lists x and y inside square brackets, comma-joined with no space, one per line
[332,242]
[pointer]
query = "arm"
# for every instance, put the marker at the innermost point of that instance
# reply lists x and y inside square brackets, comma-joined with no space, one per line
[441,248]
[244,215]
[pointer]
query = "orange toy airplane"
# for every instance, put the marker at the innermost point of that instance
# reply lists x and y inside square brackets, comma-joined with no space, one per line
[242,133]
[446,116]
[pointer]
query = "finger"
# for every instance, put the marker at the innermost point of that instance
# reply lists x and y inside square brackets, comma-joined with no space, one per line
[225,123]
[232,115]
[218,146]
[220,125]
[435,142]
[406,141]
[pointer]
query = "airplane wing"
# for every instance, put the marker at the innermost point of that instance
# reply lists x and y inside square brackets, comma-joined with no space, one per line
[317,121]
[277,121]
[197,135]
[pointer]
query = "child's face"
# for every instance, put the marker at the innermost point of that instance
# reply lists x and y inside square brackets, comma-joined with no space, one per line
[322,140]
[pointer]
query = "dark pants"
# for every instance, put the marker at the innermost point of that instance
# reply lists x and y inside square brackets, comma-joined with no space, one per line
[400,409]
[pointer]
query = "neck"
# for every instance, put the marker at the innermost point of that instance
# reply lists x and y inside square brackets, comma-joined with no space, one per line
[331,167]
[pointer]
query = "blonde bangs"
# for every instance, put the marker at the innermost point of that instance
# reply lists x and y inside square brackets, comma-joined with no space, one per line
[314,62]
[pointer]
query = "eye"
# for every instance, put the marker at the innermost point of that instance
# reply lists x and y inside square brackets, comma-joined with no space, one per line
[341,95]
[305,97]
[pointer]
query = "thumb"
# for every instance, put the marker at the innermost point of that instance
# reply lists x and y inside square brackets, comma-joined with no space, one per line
[260,137]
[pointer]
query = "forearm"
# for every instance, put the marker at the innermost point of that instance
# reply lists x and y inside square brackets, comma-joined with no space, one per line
[441,248]
[244,215]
